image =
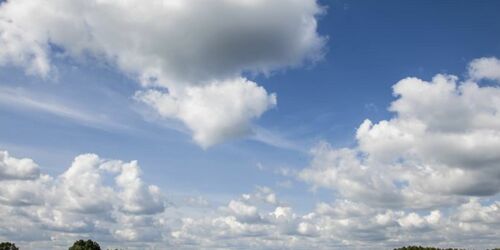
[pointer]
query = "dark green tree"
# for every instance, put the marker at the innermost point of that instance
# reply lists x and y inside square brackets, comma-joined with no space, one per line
[424,248]
[85,245]
[8,246]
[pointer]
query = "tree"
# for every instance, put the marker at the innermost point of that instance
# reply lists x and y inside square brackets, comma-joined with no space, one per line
[85,245]
[8,246]
[424,248]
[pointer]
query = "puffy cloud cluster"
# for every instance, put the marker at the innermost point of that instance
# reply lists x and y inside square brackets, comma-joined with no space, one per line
[343,171]
[193,50]
[82,184]
[253,221]
[84,200]
[485,68]
[343,224]
[106,200]
[213,112]
[13,168]
[441,146]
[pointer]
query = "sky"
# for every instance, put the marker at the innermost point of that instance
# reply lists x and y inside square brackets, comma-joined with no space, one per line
[250,124]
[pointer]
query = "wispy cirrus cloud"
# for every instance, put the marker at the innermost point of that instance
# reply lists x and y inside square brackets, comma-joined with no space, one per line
[16,98]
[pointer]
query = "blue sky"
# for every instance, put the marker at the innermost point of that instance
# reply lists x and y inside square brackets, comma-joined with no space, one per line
[86,103]
[370,47]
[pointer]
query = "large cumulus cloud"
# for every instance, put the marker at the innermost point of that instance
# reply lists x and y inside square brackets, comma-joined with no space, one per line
[441,146]
[90,197]
[213,112]
[177,45]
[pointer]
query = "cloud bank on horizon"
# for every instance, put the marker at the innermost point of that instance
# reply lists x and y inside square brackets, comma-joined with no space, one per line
[428,175]
[189,57]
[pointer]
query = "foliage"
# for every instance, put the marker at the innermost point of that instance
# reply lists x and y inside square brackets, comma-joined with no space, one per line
[425,248]
[8,246]
[85,245]
[92,245]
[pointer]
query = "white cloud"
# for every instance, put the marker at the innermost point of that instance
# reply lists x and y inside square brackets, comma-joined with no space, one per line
[107,201]
[485,68]
[214,112]
[440,146]
[14,168]
[25,192]
[138,198]
[342,171]
[24,99]
[21,48]
[187,47]
[193,43]
[262,195]
[474,213]
[82,200]
[243,211]
[82,187]
[413,220]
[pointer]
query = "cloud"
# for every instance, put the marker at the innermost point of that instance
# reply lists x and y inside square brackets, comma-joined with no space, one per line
[214,112]
[82,200]
[22,49]
[413,220]
[473,212]
[187,48]
[84,191]
[25,192]
[343,224]
[342,171]
[138,198]
[13,168]
[440,146]
[24,99]
[485,68]
[243,212]
[106,200]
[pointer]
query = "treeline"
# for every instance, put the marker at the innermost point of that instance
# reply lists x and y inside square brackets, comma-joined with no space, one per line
[92,245]
[78,245]
[433,248]
[425,248]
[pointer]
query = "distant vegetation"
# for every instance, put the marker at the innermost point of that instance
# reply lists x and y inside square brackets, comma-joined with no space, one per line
[78,245]
[92,245]
[8,246]
[432,248]
[425,248]
[85,245]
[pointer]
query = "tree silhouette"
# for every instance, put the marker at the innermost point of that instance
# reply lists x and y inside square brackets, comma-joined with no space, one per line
[424,248]
[8,246]
[85,245]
